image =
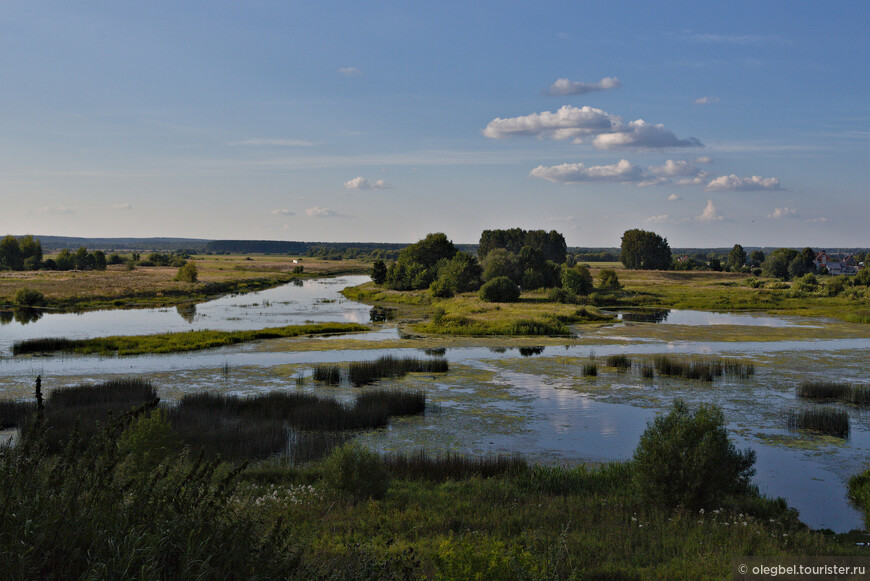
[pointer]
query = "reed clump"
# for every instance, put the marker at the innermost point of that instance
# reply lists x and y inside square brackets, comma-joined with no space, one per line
[361,373]
[702,369]
[824,420]
[858,395]
[620,362]
[590,370]
[422,465]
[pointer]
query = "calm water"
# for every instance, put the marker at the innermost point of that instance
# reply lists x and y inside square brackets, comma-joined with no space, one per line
[500,400]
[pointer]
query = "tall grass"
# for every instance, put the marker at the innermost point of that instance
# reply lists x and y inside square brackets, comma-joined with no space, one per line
[824,420]
[837,391]
[15,413]
[361,373]
[328,373]
[703,369]
[449,466]
[620,362]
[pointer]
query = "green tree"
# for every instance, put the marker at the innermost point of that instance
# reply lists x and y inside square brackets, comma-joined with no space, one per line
[578,280]
[83,259]
[685,459]
[736,258]
[99,260]
[460,274]
[645,250]
[757,257]
[65,260]
[10,254]
[776,265]
[379,272]
[416,266]
[31,252]
[608,280]
[500,262]
[187,273]
[500,290]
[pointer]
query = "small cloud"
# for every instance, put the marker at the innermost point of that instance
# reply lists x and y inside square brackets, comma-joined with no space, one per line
[575,173]
[350,71]
[703,159]
[282,212]
[361,183]
[321,212]
[706,100]
[674,197]
[660,219]
[783,213]
[55,211]
[568,87]
[710,213]
[675,168]
[738,184]
[820,219]
[274,142]
[642,135]
[125,206]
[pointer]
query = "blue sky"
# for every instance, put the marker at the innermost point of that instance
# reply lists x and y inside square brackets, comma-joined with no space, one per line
[745,122]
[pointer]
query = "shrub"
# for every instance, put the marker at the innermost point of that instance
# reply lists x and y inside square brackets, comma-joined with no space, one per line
[685,459]
[187,273]
[561,295]
[607,279]
[577,280]
[500,290]
[357,471]
[26,297]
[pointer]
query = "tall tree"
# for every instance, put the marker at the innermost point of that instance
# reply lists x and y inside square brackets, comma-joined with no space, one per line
[645,250]
[736,258]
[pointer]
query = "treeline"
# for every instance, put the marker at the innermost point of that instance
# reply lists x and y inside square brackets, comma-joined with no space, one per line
[257,247]
[435,263]
[20,254]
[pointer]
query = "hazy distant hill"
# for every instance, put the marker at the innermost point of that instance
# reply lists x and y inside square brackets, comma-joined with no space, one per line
[156,244]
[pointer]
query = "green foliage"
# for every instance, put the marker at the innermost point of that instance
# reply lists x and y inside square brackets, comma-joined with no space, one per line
[26,297]
[357,471]
[777,264]
[835,286]
[608,279]
[20,254]
[500,262]
[685,459]
[859,493]
[379,272]
[417,265]
[149,441]
[756,257]
[645,250]
[550,244]
[806,284]
[460,274]
[736,258]
[500,290]
[187,273]
[578,280]
[561,295]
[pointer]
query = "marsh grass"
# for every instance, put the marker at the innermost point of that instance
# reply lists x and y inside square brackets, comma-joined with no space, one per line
[175,342]
[15,413]
[823,420]
[702,369]
[449,466]
[590,370]
[647,370]
[620,362]
[361,373]
[858,395]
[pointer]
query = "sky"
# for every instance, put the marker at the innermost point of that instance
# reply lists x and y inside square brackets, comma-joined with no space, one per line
[708,123]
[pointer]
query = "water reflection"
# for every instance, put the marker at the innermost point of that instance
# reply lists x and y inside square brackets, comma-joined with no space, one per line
[530,351]
[187,312]
[645,316]
[382,314]
[20,316]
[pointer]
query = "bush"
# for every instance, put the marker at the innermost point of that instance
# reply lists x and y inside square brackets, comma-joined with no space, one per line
[357,471]
[607,279]
[685,459]
[500,290]
[561,295]
[26,297]
[577,280]
[187,273]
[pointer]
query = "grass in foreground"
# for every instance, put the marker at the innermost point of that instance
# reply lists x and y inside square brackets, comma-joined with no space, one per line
[175,342]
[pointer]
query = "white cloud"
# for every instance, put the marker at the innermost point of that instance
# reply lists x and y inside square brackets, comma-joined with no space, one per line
[660,219]
[55,211]
[321,212]
[568,87]
[575,173]
[817,220]
[783,213]
[706,100]
[703,159]
[274,142]
[361,183]
[282,212]
[643,135]
[675,168]
[738,184]
[568,122]
[609,131]
[350,71]
[710,213]
[674,197]
[125,206]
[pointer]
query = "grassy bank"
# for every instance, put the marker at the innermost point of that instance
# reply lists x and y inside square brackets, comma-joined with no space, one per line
[152,286]
[175,342]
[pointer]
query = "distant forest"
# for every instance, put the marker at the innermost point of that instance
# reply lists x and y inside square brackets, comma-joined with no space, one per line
[344,250]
